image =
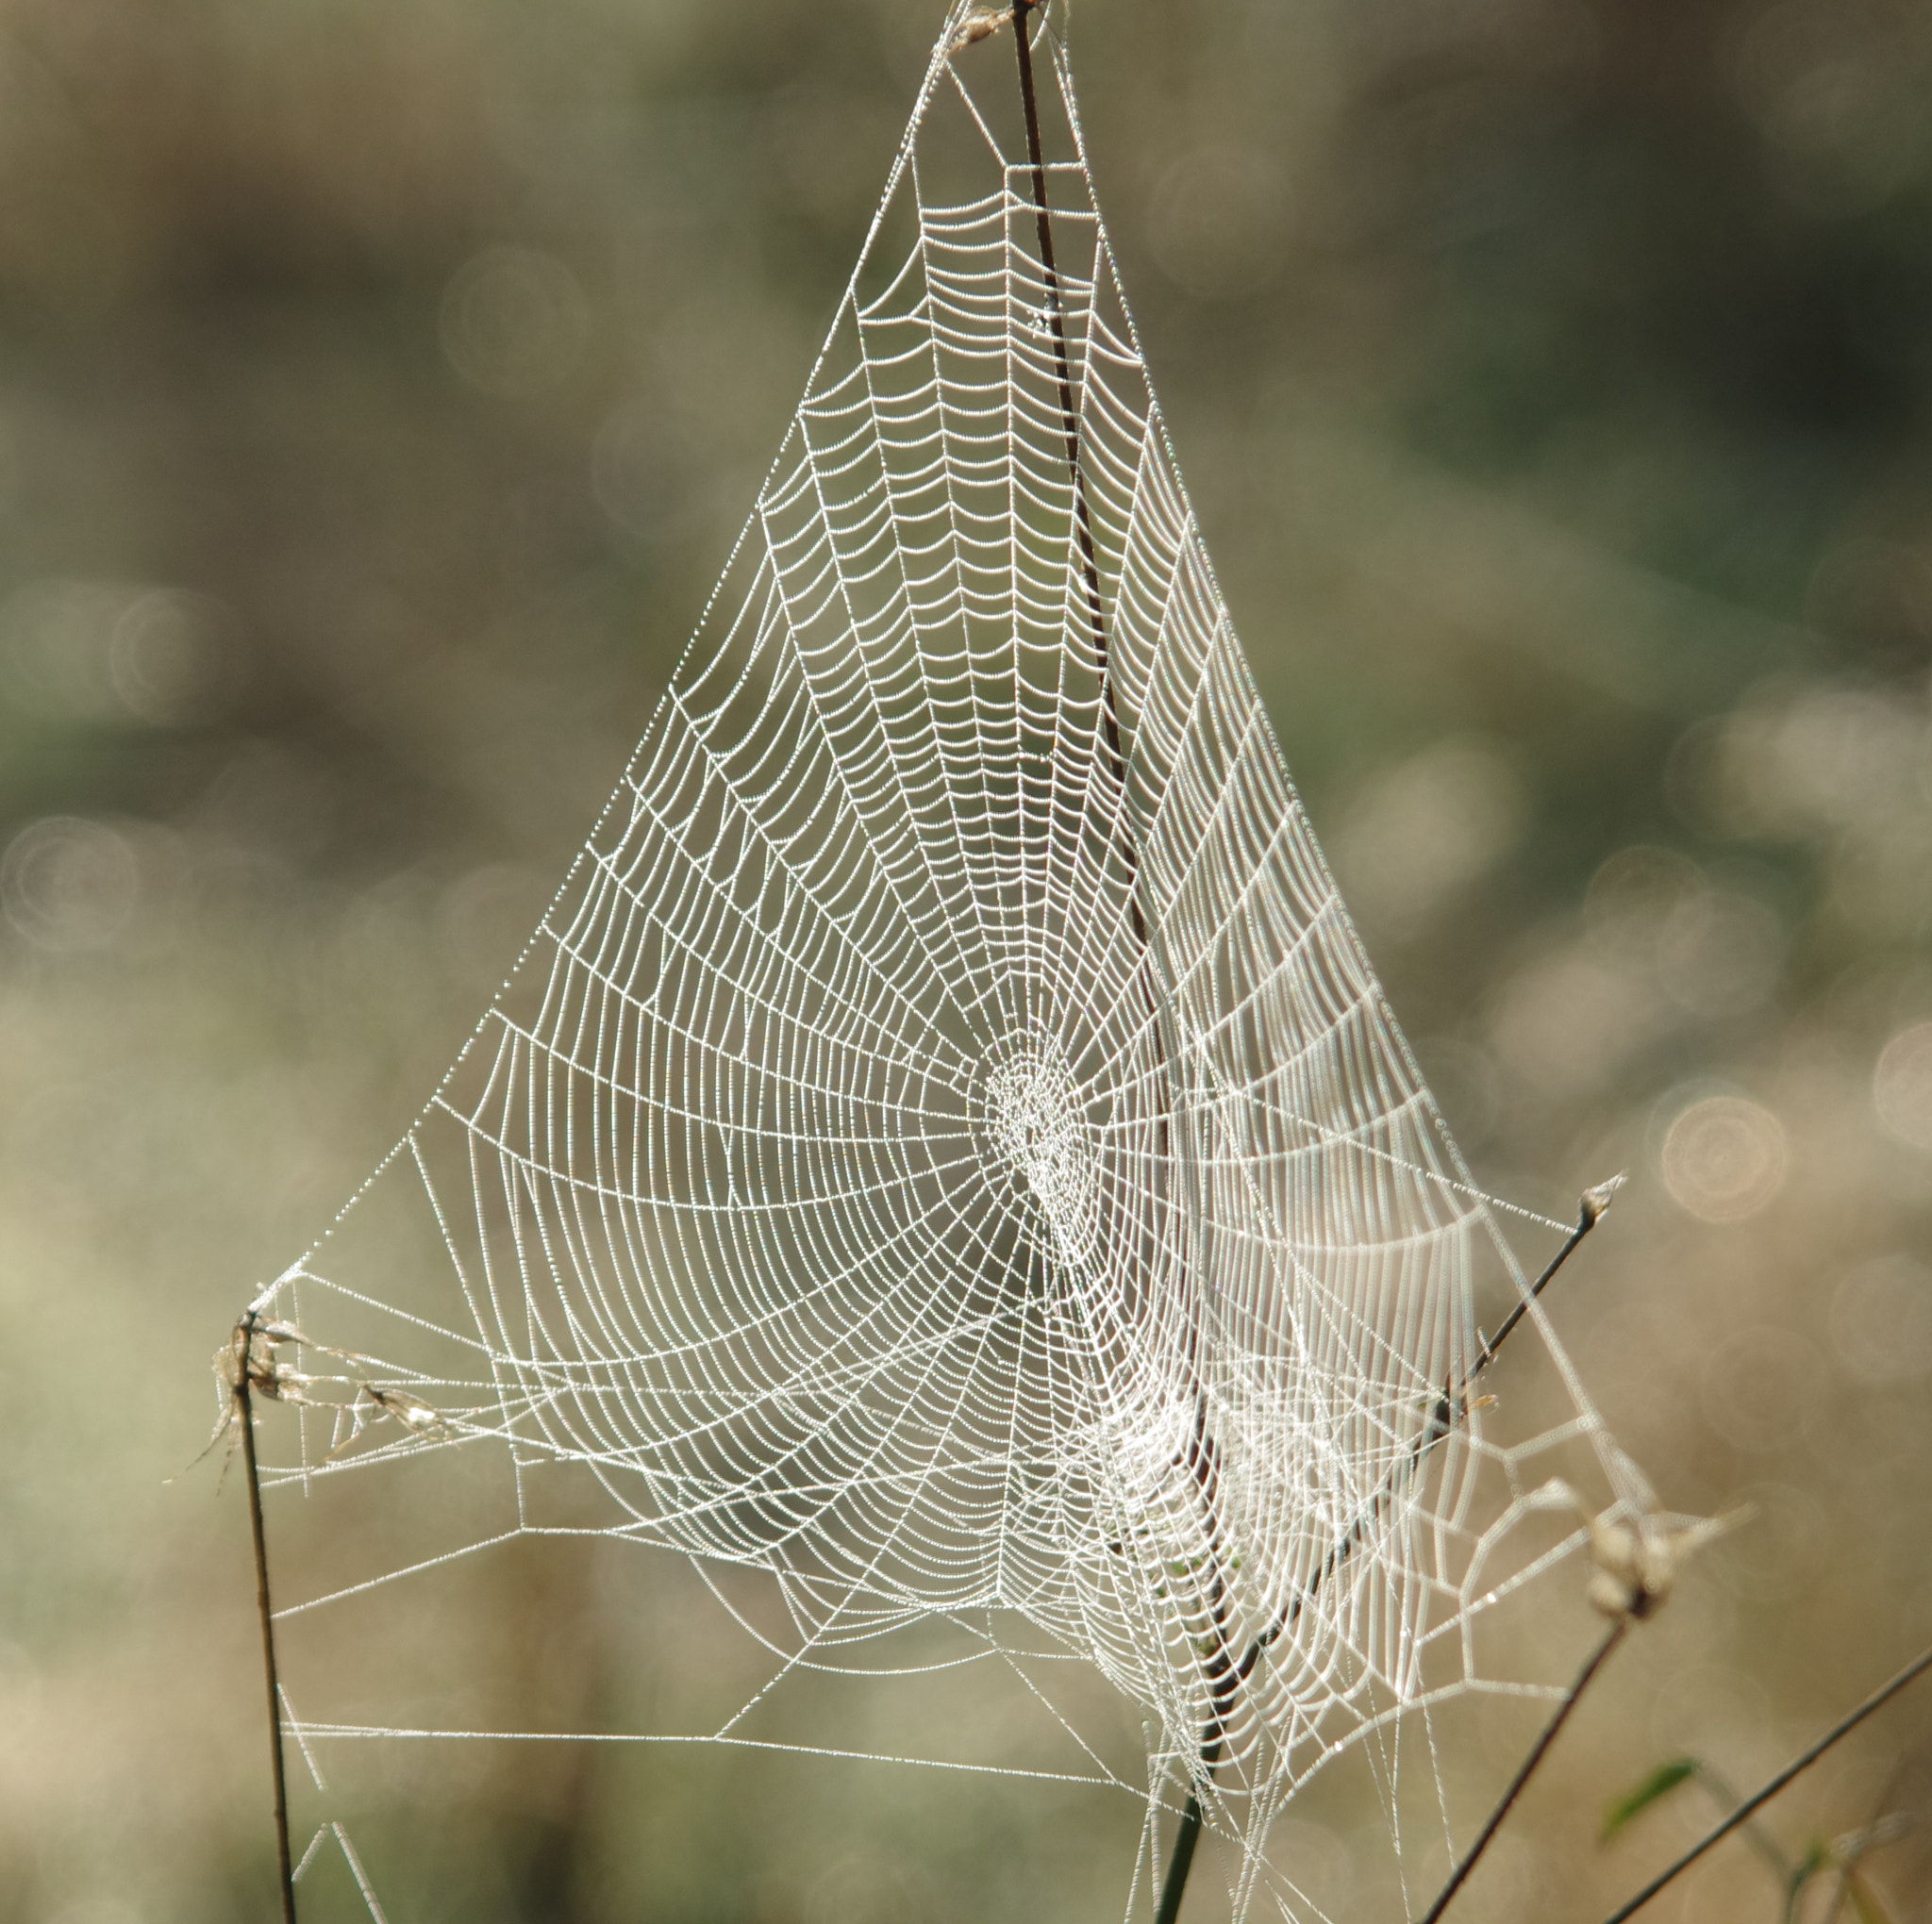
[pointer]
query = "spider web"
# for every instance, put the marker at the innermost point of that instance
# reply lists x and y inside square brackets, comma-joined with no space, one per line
[944,1154]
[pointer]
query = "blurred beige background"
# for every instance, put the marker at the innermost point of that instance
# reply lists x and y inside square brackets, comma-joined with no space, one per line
[380,390]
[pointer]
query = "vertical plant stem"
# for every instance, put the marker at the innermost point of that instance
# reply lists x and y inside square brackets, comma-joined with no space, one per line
[1202,1459]
[244,1410]
[1526,1771]
[1174,1886]
[1057,322]
[1125,842]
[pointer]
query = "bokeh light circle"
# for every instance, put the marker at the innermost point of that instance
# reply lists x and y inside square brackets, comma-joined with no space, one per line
[1881,1319]
[67,884]
[1724,1158]
[514,321]
[1902,1086]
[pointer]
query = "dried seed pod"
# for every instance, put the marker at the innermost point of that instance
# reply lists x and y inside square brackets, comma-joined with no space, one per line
[980,25]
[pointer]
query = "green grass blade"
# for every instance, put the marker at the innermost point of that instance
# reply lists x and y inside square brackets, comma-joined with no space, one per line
[1868,1904]
[1660,1784]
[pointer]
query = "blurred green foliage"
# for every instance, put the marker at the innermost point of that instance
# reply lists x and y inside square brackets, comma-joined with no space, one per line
[380,388]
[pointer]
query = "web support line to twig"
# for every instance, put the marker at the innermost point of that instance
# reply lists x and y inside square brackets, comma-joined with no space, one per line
[244,1411]
[1796,1768]
[1527,1770]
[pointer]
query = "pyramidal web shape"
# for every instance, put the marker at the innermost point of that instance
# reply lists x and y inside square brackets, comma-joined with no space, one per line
[944,1156]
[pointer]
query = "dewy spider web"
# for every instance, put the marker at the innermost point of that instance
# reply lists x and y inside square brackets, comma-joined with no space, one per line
[945,1148]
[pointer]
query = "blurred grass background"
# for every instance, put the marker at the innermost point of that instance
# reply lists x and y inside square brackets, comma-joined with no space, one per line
[380,388]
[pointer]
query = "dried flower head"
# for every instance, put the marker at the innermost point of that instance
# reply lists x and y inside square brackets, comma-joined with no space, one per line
[1638,1561]
[978,26]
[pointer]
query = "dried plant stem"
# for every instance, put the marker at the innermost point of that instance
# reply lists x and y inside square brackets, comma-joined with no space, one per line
[1588,1214]
[1796,1768]
[1526,1770]
[1720,1794]
[1452,1406]
[244,1411]
[1069,418]
[1174,1886]
[1203,1458]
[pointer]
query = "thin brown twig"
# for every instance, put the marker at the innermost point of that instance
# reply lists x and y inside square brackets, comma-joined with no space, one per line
[1720,1792]
[1450,1409]
[1069,419]
[1590,1213]
[1125,843]
[1526,1770]
[1186,1834]
[1796,1768]
[1202,1461]
[244,1411]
